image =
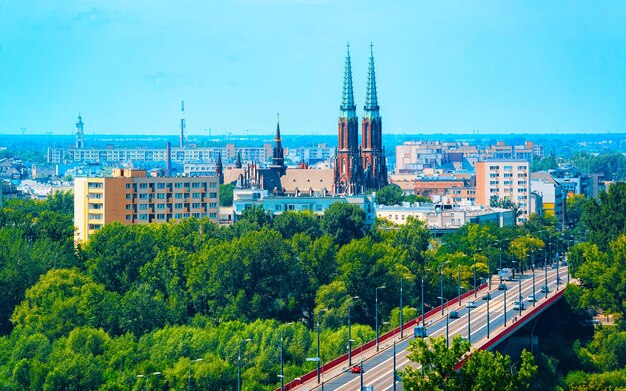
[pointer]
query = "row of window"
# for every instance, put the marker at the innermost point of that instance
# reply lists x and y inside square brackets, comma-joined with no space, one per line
[163,216]
[177,205]
[176,185]
[508,168]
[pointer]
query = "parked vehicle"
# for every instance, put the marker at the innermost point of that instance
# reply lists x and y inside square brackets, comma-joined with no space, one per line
[517,305]
[531,298]
[356,369]
[487,296]
[471,304]
[502,287]
[453,315]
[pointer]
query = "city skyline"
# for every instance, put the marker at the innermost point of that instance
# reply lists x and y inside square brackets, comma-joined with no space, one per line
[452,67]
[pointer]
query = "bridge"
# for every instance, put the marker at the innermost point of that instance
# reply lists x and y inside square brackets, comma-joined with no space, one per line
[484,323]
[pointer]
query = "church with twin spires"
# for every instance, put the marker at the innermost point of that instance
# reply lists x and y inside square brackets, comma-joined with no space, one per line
[359,168]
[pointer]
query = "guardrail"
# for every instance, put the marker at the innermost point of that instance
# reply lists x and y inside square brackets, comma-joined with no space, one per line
[381,338]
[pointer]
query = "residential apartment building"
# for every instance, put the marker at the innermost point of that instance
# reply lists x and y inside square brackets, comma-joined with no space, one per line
[552,195]
[574,181]
[504,179]
[131,197]
[503,151]
[444,218]
[316,203]
[112,154]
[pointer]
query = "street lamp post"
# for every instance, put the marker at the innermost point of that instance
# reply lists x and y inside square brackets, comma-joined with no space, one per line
[459,280]
[441,284]
[349,336]
[189,377]
[422,294]
[474,276]
[239,362]
[318,346]
[401,309]
[147,376]
[377,288]
[282,374]
[469,335]
[520,294]
[545,274]
[488,300]
[532,265]
[505,289]
[446,301]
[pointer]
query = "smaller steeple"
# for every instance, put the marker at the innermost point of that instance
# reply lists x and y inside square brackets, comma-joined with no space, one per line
[238,160]
[219,169]
[278,158]
[182,124]
[80,134]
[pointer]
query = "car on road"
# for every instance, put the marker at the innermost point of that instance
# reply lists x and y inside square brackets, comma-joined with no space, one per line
[419,332]
[487,296]
[545,289]
[517,305]
[453,315]
[531,298]
[502,287]
[356,369]
[470,304]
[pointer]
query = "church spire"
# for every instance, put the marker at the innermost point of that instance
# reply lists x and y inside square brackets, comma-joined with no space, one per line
[371,99]
[219,169]
[277,137]
[348,108]
[278,158]
[238,160]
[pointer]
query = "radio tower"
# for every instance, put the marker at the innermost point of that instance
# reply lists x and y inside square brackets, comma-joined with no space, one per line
[182,124]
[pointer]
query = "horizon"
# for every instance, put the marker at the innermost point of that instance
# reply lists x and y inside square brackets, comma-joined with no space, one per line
[451,67]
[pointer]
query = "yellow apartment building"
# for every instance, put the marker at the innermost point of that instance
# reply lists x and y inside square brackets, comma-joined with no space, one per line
[132,197]
[504,178]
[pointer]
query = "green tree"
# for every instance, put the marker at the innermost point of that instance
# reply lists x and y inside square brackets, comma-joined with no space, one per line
[226,194]
[290,223]
[543,164]
[574,208]
[343,222]
[62,300]
[389,195]
[257,216]
[486,370]
[412,198]
[605,218]
[437,363]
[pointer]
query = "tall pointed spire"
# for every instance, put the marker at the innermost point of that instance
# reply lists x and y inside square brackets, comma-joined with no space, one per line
[371,99]
[278,157]
[348,108]
[219,169]
[277,137]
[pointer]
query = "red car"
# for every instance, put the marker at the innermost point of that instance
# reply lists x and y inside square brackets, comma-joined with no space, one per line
[356,369]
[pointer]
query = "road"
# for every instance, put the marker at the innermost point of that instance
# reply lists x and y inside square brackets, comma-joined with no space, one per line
[378,367]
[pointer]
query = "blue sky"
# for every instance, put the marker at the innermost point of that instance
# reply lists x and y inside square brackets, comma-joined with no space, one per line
[442,66]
